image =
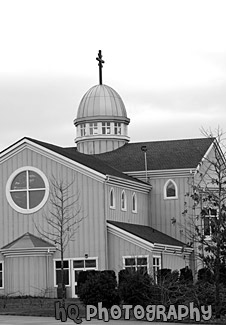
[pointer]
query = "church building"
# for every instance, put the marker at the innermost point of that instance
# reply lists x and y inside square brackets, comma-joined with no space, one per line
[131,198]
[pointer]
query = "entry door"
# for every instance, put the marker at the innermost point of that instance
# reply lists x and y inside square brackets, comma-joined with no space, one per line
[79,265]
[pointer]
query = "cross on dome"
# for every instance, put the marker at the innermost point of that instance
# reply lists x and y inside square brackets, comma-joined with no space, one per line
[99,59]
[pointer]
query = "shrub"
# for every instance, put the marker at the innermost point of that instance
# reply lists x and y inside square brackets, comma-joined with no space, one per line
[205,275]
[186,275]
[135,287]
[99,286]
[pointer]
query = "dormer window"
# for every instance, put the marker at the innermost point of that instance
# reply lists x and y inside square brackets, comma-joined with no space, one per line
[170,190]
[123,201]
[117,128]
[112,199]
[106,128]
[93,128]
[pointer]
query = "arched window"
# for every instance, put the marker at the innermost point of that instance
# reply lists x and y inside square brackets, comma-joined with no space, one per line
[134,203]
[123,201]
[170,190]
[112,198]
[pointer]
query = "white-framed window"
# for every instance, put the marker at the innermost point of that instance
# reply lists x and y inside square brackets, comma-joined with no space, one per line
[117,128]
[210,217]
[83,130]
[136,263]
[112,198]
[1,274]
[134,203]
[57,272]
[27,189]
[106,128]
[93,128]
[170,190]
[123,201]
[156,264]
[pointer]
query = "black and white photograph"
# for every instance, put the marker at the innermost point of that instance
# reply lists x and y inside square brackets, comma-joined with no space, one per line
[112,162]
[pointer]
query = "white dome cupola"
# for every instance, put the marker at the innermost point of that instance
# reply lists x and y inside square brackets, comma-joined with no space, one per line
[101,121]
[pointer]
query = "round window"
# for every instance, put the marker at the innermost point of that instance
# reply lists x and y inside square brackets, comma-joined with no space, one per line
[27,190]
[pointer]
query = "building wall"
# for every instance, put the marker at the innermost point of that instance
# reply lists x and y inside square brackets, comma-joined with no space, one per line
[166,214]
[29,275]
[119,247]
[117,214]
[91,233]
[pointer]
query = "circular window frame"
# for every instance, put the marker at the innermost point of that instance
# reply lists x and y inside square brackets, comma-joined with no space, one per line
[8,186]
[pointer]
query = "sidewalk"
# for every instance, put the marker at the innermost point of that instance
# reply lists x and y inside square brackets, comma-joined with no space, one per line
[30,320]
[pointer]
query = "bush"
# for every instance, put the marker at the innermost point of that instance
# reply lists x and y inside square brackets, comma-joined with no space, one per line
[205,275]
[99,286]
[135,287]
[186,275]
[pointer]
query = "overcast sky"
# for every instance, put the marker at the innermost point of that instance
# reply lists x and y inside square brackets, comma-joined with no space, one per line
[166,59]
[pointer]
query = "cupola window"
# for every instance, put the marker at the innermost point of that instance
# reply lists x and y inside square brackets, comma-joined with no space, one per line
[93,128]
[106,128]
[83,130]
[118,128]
[170,190]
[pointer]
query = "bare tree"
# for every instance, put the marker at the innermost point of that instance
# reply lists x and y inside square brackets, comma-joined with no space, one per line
[62,220]
[208,217]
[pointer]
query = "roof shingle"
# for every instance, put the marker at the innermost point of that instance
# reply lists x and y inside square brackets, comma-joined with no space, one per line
[147,233]
[161,155]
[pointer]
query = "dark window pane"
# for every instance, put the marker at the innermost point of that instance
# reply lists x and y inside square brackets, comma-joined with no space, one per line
[1,279]
[90,263]
[66,277]
[170,191]
[130,261]
[0,266]
[35,197]
[142,269]
[76,275]
[35,180]
[142,261]
[78,264]
[206,226]
[19,182]
[58,265]
[20,199]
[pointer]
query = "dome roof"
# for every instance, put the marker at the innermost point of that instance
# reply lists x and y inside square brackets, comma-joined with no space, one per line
[101,100]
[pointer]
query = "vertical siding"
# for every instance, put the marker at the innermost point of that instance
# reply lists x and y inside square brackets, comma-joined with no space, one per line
[27,275]
[90,235]
[162,211]
[141,217]
[118,247]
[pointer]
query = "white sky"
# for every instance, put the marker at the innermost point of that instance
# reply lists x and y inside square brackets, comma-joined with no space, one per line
[167,60]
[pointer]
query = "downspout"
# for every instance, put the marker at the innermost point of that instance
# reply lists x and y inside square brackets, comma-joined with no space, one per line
[105,220]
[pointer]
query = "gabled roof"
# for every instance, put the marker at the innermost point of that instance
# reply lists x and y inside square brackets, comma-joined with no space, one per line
[28,241]
[147,233]
[90,161]
[161,155]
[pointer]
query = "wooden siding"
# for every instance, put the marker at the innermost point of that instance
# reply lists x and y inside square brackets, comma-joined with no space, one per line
[90,236]
[118,247]
[164,211]
[29,275]
[117,214]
